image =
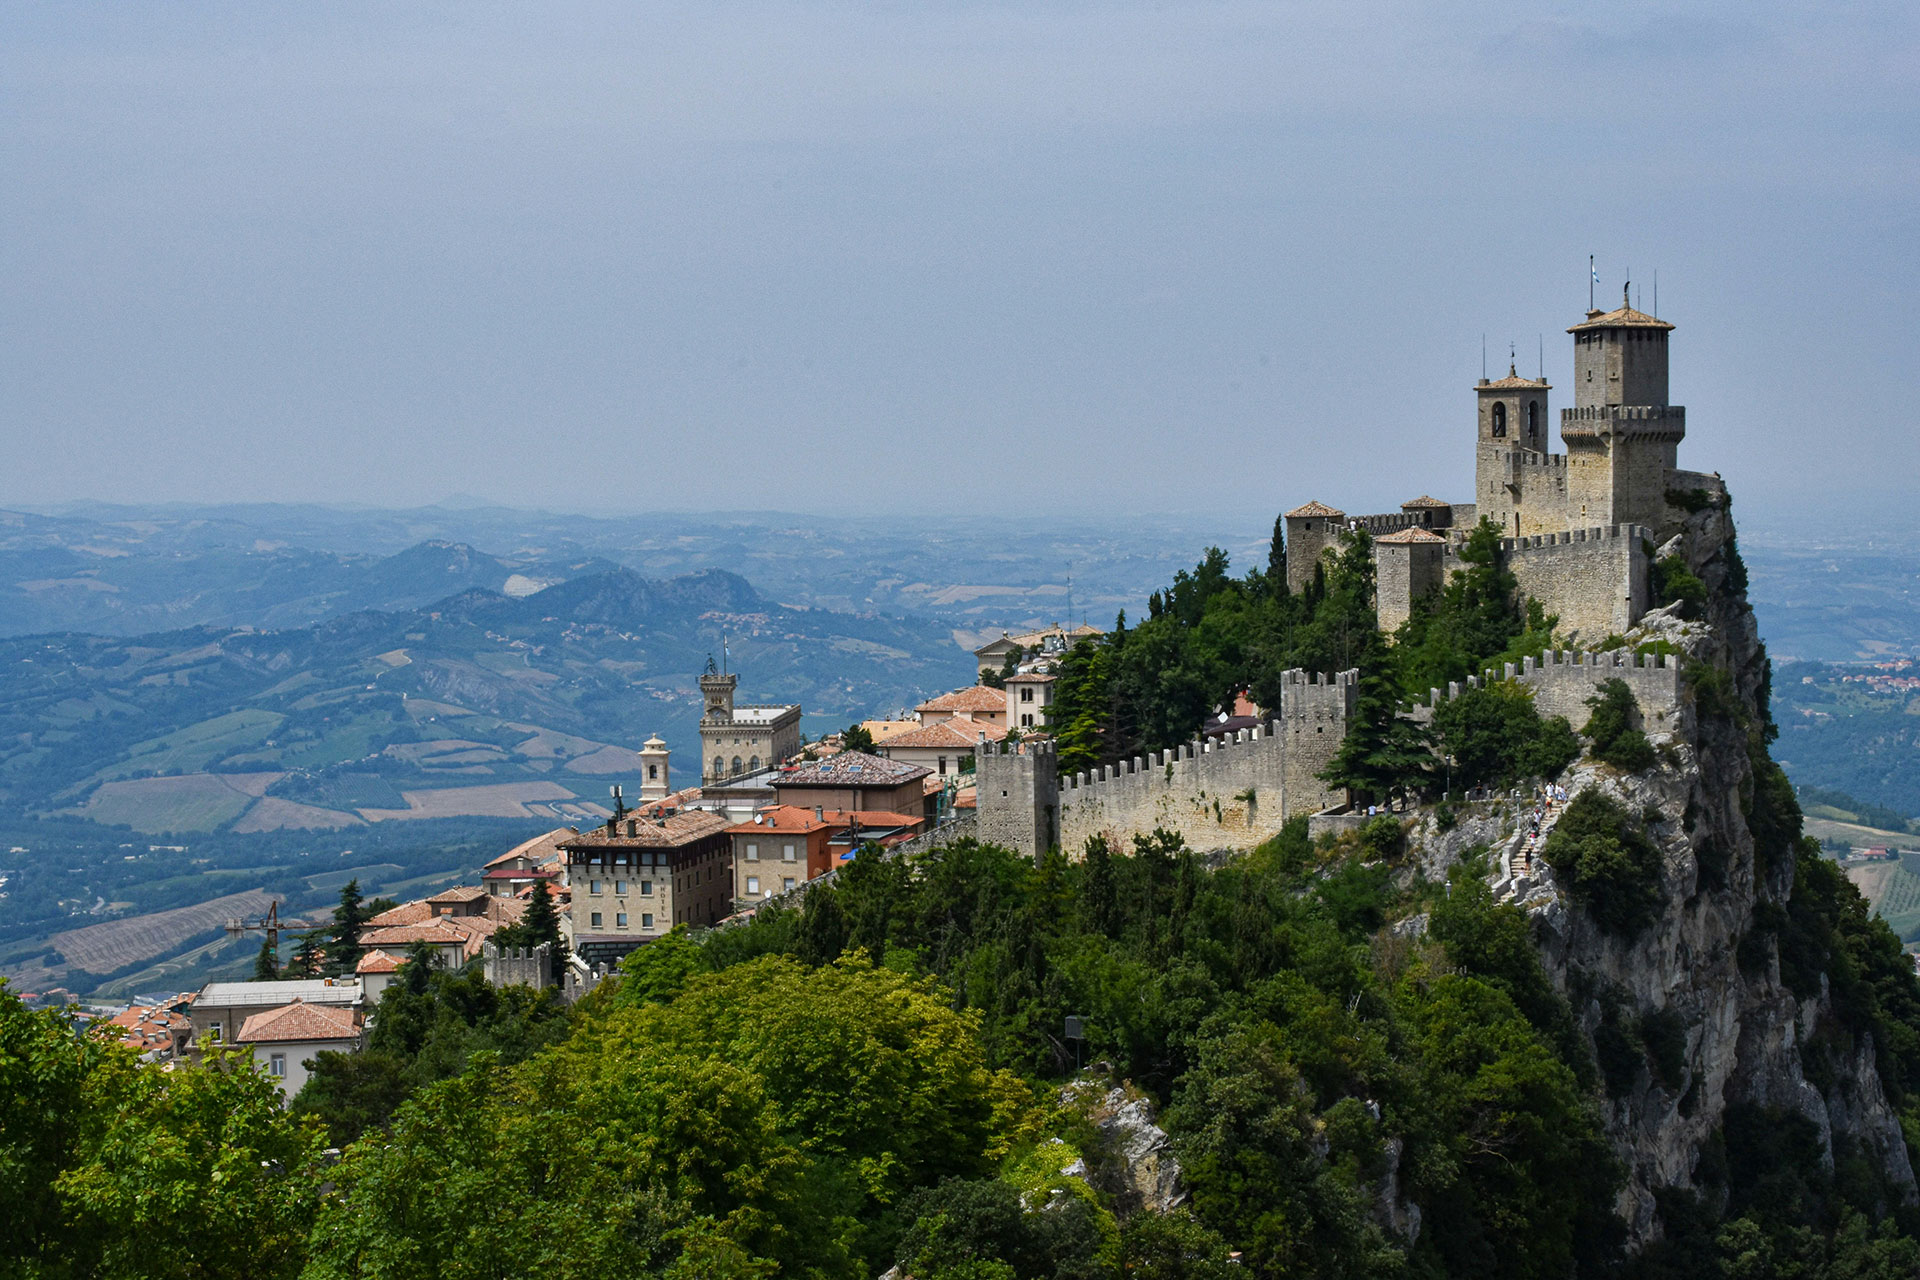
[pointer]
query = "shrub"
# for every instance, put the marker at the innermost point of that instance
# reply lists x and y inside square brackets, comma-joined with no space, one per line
[1611,730]
[1608,865]
[1497,738]
[1674,583]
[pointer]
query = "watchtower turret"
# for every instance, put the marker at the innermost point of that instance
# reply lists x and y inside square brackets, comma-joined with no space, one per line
[1515,484]
[716,696]
[1622,436]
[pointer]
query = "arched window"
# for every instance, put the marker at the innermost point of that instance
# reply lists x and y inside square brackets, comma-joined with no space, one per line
[736,764]
[1533,419]
[1499,419]
[753,764]
[719,766]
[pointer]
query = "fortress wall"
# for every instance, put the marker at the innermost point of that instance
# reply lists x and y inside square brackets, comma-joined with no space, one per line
[1562,681]
[1390,522]
[1226,793]
[1229,793]
[1017,794]
[1594,579]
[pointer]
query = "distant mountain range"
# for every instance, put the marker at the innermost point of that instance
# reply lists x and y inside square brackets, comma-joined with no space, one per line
[479,703]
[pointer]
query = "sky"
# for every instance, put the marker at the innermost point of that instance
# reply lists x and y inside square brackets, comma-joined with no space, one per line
[913,258]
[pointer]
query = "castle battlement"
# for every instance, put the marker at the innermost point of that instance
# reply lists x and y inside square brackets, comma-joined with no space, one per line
[1638,532]
[1532,459]
[1562,680]
[1659,413]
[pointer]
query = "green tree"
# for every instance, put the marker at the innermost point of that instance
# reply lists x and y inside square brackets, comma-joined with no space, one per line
[539,923]
[343,940]
[855,737]
[1611,729]
[309,957]
[266,965]
[1496,738]
[1608,864]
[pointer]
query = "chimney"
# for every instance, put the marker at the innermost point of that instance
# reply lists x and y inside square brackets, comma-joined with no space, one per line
[633,827]
[818,815]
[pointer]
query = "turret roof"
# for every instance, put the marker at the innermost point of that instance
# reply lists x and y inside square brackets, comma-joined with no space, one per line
[1315,509]
[1408,537]
[1514,382]
[1426,502]
[1621,317]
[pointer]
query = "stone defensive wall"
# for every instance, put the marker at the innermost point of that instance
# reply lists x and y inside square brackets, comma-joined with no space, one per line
[1596,580]
[1393,522]
[1218,793]
[1563,680]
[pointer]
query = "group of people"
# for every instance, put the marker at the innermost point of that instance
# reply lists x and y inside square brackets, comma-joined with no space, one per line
[1544,802]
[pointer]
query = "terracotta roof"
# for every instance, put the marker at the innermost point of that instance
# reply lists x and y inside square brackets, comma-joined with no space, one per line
[1410,537]
[1426,502]
[1621,317]
[682,827]
[870,818]
[405,913]
[781,817]
[851,769]
[543,848]
[979,698]
[440,931]
[1514,382]
[1315,509]
[300,1021]
[959,734]
[1032,677]
[150,1026]
[461,893]
[378,962]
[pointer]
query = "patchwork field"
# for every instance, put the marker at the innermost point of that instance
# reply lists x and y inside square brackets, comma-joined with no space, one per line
[191,802]
[497,800]
[103,948]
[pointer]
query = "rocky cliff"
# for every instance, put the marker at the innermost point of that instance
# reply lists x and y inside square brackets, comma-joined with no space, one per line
[1694,1018]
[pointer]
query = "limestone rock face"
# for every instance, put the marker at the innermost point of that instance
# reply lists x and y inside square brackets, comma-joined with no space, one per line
[1134,1164]
[1744,1029]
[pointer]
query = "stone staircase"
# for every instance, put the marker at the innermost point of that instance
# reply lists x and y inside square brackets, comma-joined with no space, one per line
[1522,869]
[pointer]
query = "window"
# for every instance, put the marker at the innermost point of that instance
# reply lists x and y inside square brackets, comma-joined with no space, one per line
[1026,719]
[753,852]
[213,1031]
[653,772]
[1533,419]
[753,764]
[753,886]
[277,1065]
[620,888]
[595,918]
[1499,419]
[646,919]
[646,887]
[619,919]
[786,853]
[593,886]
[943,766]
[719,766]
[736,764]
[1026,693]
[786,884]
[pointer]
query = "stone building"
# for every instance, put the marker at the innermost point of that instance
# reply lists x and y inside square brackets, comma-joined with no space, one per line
[634,877]
[285,1040]
[736,740]
[856,780]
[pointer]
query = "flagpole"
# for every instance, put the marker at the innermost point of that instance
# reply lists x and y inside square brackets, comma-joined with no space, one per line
[1590,279]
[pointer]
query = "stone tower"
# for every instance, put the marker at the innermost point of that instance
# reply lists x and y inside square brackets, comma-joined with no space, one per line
[1622,436]
[716,696]
[656,783]
[1517,483]
[1408,565]
[1310,531]
[1018,791]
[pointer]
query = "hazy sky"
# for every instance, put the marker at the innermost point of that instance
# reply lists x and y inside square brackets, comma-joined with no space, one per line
[920,258]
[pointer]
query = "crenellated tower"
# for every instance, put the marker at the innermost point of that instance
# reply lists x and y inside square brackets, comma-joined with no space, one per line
[1622,436]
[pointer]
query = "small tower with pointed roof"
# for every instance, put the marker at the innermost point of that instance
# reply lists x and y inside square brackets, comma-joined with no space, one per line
[656,783]
[1514,484]
[1311,530]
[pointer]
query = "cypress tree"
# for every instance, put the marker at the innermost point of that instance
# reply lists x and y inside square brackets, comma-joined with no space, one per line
[541,923]
[343,949]
[308,957]
[266,965]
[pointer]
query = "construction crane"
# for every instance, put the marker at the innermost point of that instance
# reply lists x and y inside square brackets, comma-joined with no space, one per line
[270,923]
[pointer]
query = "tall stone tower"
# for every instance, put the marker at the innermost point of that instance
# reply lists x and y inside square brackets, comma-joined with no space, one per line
[1311,530]
[1517,483]
[1622,436]
[656,783]
[716,696]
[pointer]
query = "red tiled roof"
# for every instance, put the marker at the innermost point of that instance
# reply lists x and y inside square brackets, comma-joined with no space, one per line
[1032,677]
[378,962]
[1315,509]
[540,849]
[1621,317]
[956,735]
[1409,537]
[299,1021]
[405,913]
[460,893]
[781,817]
[683,827]
[1426,502]
[978,698]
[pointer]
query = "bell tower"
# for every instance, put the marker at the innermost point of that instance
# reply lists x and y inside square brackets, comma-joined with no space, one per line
[1511,445]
